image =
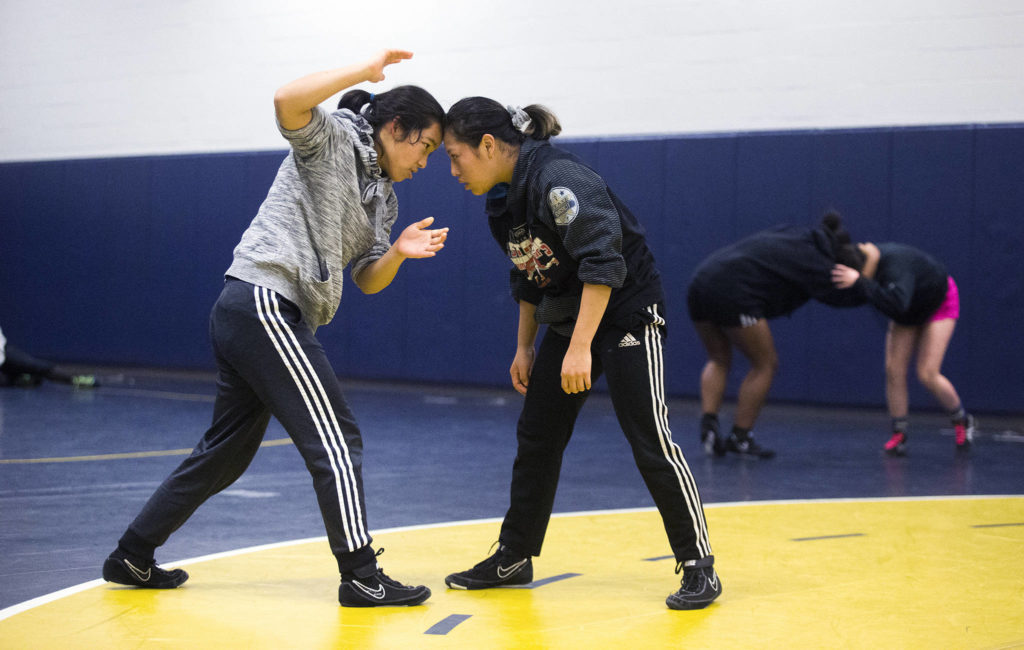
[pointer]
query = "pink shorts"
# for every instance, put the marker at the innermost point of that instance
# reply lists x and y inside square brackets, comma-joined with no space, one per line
[951,305]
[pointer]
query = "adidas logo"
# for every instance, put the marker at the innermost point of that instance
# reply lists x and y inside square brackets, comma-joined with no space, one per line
[628,340]
[748,321]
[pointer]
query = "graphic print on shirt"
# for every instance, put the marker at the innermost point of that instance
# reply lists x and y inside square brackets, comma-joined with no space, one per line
[530,254]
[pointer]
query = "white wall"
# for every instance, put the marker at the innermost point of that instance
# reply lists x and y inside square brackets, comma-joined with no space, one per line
[118,77]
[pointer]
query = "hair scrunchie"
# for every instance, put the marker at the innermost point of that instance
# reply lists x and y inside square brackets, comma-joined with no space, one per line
[520,119]
[364,110]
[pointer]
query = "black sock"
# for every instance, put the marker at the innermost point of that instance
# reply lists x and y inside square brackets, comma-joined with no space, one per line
[958,415]
[709,422]
[899,425]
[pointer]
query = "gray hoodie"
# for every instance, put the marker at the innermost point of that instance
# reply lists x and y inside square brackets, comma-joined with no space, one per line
[329,205]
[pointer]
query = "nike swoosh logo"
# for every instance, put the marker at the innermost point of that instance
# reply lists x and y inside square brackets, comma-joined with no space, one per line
[377,594]
[144,577]
[504,572]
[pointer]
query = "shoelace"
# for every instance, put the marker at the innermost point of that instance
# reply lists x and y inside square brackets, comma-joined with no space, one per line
[691,579]
[490,560]
[383,577]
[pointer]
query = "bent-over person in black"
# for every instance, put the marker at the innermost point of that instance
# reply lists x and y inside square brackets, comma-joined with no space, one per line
[733,294]
[922,302]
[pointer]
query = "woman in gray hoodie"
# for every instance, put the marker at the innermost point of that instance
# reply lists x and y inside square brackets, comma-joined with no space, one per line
[331,205]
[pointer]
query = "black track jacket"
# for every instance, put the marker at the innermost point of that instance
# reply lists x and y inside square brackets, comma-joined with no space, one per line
[562,226]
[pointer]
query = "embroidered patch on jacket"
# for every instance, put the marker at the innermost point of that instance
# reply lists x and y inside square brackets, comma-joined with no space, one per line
[564,206]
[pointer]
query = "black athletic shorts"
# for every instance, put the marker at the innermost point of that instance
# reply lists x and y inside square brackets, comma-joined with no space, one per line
[722,304]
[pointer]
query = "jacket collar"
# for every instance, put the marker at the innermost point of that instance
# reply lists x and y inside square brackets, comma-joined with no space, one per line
[521,172]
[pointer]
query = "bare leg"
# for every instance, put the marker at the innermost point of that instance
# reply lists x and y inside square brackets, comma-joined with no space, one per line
[712,384]
[931,350]
[716,371]
[758,346]
[900,342]
[899,346]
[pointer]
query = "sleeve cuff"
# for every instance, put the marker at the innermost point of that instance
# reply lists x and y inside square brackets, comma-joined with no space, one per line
[369,257]
[608,272]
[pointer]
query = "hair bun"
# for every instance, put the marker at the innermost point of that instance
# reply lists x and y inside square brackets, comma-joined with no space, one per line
[832,221]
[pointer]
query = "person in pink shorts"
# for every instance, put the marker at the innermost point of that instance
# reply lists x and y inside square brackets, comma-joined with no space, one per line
[922,302]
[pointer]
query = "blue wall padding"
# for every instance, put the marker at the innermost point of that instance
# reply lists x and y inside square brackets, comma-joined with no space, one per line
[118,261]
[995,294]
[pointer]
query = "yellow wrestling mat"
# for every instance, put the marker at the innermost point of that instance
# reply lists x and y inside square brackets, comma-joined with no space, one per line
[928,573]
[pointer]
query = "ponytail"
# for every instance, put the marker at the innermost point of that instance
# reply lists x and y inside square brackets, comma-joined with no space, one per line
[355,99]
[543,123]
[469,119]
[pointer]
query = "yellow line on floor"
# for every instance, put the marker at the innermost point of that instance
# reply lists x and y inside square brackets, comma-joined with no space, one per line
[135,454]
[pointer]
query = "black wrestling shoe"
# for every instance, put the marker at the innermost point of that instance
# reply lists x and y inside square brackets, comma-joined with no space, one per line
[368,586]
[747,447]
[502,568]
[711,439]
[699,586]
[124,570]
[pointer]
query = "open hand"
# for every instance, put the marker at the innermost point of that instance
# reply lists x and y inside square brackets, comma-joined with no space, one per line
[383,59]
[417,242]
[843,276]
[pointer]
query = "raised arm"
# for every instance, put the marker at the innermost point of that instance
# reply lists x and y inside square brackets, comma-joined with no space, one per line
[294,101]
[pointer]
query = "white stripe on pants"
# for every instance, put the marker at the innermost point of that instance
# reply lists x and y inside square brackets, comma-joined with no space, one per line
[321,414]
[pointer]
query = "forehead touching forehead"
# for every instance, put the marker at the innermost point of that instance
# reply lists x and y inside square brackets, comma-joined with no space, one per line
[412,135]
[453,145]
[431,136]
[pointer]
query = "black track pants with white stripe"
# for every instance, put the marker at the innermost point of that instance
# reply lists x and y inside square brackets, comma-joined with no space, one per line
[633,368]
[270,363]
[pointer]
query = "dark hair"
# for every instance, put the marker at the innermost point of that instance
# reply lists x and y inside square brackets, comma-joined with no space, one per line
[471,117]
[414,108]
[845,250]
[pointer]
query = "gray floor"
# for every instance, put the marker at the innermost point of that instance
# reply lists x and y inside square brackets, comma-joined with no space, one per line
[432,454]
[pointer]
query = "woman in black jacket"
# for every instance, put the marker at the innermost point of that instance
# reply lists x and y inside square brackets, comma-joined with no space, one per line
[922,302]
[735,292]
[582,267]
